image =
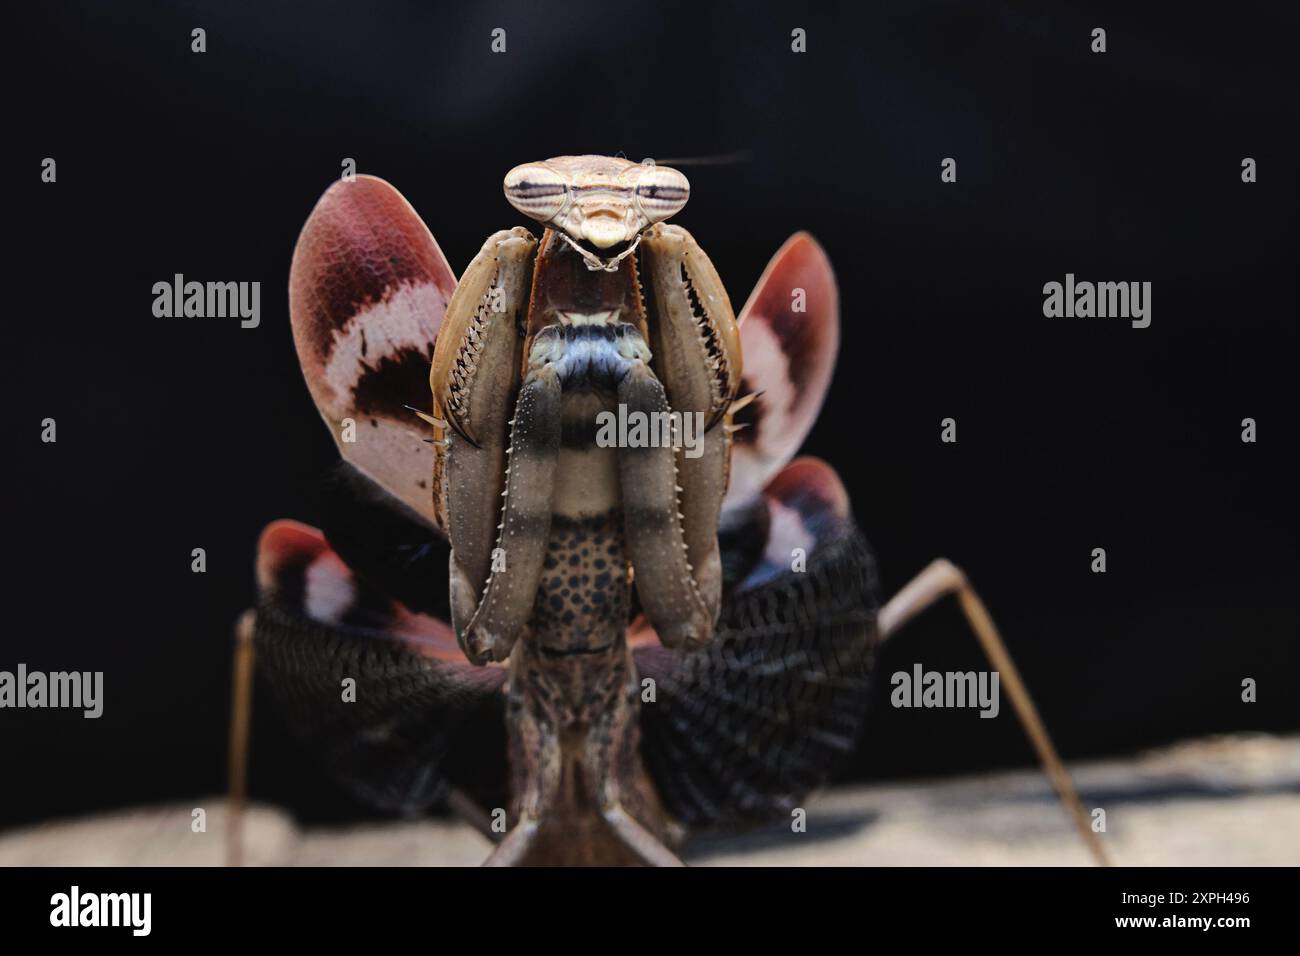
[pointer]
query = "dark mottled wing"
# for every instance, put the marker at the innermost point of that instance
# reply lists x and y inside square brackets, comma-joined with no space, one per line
[742,730]
[421,711]
[367,291]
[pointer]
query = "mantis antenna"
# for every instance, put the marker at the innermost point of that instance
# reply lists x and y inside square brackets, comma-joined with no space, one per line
[719,159]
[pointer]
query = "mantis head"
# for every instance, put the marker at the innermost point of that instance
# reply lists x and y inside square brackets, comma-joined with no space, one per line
[600,204]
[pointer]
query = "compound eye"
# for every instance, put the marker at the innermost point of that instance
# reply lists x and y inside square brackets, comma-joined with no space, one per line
[661,192]
[537,191]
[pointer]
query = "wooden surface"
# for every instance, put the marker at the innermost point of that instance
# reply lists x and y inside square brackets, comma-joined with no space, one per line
[1222,801]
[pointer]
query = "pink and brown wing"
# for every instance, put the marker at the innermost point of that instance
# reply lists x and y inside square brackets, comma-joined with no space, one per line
[367,291]
[790,333]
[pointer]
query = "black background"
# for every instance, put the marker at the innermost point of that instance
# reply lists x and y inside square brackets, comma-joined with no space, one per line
[1073,433]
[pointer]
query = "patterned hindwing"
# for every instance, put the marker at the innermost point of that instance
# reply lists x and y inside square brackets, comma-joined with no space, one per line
[742,730]
[367,291]
[419,705]
[789,334]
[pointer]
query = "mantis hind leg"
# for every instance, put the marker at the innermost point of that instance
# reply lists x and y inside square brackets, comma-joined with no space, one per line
[620,840]
[241,718]
[942,578]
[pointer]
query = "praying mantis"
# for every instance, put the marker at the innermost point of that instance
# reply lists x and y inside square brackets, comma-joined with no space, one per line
[671,640]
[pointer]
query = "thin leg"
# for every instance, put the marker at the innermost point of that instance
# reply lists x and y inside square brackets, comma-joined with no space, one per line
[617,728]
[241,719]
[942,578]
[512,850]
[641,841]
[465,807]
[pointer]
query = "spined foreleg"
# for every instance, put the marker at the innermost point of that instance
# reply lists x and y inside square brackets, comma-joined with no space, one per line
[525,527]
[475,375]
[681,612]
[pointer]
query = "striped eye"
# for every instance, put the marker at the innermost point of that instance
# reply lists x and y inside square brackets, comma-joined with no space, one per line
[662,192]
[536,191]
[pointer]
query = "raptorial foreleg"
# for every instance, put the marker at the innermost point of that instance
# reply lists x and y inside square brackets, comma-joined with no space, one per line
[525,527]
[656,541]
[474,380]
